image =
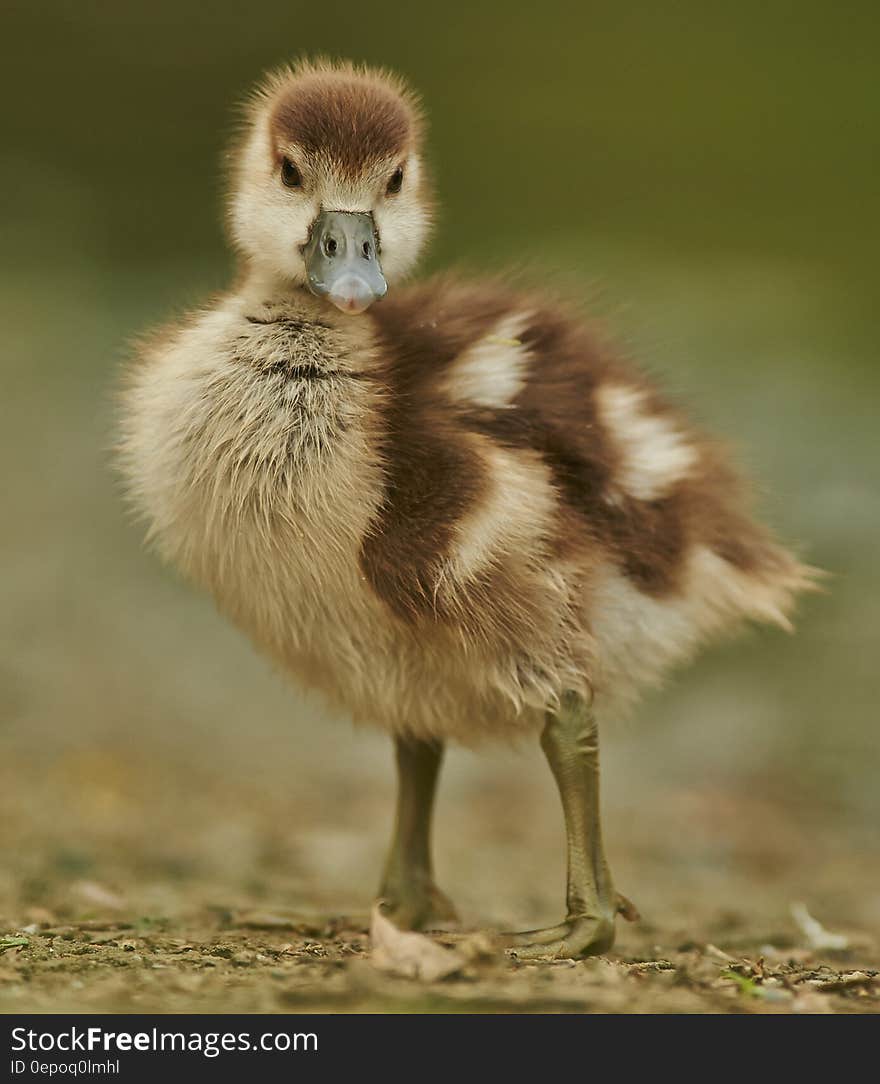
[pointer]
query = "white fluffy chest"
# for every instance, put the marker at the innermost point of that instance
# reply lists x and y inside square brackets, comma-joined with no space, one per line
[256,462]
[248,449]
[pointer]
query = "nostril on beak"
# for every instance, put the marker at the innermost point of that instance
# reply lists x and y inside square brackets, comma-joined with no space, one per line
[343,261]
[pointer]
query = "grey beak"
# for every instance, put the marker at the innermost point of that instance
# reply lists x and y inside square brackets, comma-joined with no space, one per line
[342,260]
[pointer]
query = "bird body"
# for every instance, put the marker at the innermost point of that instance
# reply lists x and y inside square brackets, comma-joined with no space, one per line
[459,514]
[446,513]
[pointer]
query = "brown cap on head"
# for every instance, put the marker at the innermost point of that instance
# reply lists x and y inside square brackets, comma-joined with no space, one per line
[324,138]
[354,116]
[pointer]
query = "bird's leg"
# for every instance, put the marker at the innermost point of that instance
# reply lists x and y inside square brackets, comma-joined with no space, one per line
[413,901]
[571,744]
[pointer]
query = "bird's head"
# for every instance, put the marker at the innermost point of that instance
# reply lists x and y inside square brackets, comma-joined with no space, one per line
[328,189]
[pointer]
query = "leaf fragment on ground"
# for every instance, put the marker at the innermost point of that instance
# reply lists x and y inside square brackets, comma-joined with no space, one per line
[13,942]
[745,984]
[753,985]
[408,954]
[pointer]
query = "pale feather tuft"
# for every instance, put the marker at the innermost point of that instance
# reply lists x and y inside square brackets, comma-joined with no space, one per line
[654,454]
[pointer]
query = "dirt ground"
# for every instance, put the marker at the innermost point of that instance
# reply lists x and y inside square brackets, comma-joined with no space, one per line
[215,962]
[127,889]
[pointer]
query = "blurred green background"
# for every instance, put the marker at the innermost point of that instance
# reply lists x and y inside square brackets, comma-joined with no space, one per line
[705,176]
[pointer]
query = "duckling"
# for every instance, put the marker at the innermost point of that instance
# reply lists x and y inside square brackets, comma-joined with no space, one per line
[451,509]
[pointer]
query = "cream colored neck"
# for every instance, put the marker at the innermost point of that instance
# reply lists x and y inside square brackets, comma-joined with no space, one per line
[324,337]
[261,289]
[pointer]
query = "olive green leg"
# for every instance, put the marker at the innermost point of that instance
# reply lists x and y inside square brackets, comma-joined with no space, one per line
[413,901]
[571,744]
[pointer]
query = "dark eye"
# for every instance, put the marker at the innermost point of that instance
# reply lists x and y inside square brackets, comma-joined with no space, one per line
[396,182]
[290,174]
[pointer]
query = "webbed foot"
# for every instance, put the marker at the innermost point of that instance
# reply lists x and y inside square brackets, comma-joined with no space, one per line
[578,936]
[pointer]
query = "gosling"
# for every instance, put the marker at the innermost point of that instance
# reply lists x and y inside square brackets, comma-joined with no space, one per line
[456,512]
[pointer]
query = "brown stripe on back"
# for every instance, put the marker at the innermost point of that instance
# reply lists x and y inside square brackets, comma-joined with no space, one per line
[433,473]
[431,481]
[555,414]
[434,476]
